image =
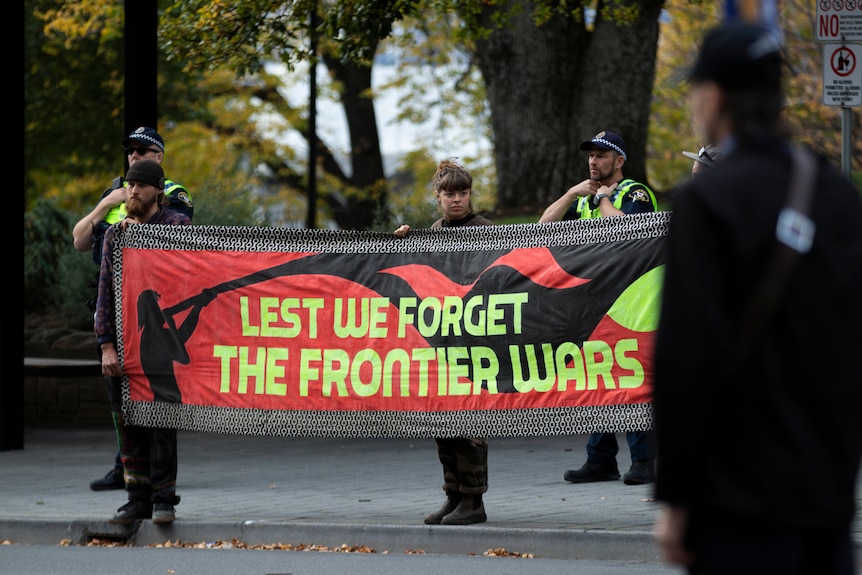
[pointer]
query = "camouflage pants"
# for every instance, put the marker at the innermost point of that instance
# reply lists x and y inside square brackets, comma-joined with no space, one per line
[465,464]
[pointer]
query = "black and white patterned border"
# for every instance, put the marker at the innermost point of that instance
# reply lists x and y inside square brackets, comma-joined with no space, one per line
[386,424]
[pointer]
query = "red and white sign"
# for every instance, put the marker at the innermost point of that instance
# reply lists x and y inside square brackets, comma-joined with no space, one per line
[838,20]
[842,73]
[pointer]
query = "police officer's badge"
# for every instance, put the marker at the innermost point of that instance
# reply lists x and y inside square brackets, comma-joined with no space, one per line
[640,196]
[184,198]
[599,136]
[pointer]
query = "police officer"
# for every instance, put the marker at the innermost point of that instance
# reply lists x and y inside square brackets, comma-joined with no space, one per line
[88,234]
[142,144]
[607,193]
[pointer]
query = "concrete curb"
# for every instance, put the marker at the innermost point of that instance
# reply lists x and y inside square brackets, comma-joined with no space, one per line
[437,539]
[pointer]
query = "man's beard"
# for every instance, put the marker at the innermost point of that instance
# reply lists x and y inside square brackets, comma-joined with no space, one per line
[138,207]
[602,176]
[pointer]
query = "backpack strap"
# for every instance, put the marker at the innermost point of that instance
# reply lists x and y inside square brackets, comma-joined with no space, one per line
[794,235]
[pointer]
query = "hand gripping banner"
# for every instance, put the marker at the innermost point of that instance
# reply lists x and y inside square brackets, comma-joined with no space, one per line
[486,331]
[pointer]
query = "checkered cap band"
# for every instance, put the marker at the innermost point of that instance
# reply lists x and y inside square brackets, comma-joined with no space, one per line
[145,134]
[610,145]
[148,139]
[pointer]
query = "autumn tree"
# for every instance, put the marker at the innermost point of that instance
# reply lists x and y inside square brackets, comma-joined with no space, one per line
[245,35]
[671,130]
[551,81]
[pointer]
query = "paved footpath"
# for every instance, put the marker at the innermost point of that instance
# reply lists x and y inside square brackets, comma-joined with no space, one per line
[333,492]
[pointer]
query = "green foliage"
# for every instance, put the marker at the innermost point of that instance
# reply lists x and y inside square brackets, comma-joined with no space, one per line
[71,76]
[437,73]
[620,14]
[671,129]
[209,34]
[56,278]
[412,199]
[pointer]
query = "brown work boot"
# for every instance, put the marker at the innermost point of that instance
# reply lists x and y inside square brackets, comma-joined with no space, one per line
[469,511]
[453,498]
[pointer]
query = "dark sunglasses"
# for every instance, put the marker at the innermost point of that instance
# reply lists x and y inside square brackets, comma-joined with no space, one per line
[140,151]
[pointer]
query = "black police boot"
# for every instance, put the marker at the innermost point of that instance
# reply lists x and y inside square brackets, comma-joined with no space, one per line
[112,480]
[590,472]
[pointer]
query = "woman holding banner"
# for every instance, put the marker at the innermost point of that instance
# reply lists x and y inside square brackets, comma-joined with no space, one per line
[465,460]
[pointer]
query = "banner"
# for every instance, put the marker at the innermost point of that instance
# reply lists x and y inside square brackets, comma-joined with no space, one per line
[509,330]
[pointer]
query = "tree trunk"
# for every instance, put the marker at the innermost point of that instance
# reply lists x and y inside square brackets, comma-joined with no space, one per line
[552,86]
[365,203]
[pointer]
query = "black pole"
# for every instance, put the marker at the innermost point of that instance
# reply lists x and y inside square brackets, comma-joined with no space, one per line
[12,395]
[311,218]
[141,64]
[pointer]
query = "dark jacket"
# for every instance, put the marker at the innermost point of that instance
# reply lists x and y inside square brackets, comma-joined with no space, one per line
[777,444]
[468,220]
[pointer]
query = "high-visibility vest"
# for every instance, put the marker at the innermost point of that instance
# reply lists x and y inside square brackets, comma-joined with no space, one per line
[586,209]
[118,213]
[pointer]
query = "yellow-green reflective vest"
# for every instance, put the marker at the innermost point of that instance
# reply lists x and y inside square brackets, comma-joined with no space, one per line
[587,210]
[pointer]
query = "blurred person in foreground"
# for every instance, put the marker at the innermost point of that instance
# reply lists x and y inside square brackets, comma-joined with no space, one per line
[759,451]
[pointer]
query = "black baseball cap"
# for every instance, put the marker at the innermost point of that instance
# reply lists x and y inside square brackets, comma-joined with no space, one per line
[739,56]
[606,141]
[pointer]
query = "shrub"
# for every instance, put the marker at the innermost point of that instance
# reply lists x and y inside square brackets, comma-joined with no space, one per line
[57,279]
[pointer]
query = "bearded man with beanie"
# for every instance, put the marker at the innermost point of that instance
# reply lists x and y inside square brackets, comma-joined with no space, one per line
[149,455]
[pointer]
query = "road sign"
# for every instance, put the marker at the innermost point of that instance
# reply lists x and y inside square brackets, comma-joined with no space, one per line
[842,74]
[839,20]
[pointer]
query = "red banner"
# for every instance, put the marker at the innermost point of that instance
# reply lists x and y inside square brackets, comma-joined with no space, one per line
[497,330]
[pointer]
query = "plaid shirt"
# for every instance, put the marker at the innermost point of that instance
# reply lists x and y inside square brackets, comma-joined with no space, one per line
[104,321]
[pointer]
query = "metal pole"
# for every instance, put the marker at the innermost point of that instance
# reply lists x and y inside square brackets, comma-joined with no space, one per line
[846,133]
[311,218]
[141,87]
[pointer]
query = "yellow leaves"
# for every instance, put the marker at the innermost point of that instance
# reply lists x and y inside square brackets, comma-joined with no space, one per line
[671,129]
[236,544]
[83,18]
[621,15]
[106,542]
[501,552]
